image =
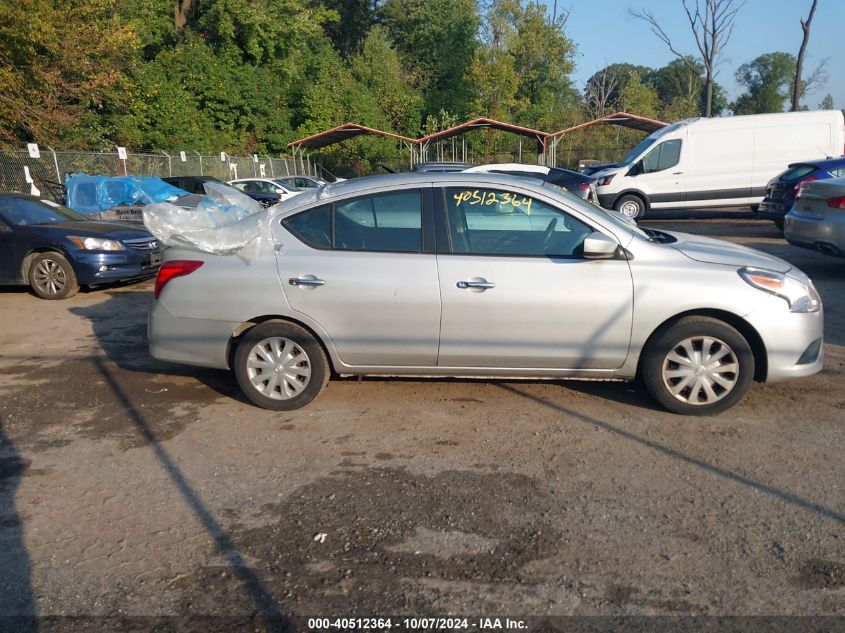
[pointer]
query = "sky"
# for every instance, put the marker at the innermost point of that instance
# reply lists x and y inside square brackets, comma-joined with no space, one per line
[605,33]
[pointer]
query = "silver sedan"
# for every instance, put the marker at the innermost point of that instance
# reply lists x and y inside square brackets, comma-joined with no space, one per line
[483,275]
[817,219]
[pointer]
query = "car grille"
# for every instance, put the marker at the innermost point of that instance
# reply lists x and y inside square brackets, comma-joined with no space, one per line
[142,244]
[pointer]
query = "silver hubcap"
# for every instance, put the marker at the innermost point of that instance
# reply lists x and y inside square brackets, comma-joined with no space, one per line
[278,368]
[49,277]
[700,370]
[631,209]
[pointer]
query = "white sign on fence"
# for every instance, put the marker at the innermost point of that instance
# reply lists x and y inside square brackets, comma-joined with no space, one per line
[222,157]
[233,171]
[33,150]
[121,153]
[262,170]
[255,158]
[33,190]
[183,157]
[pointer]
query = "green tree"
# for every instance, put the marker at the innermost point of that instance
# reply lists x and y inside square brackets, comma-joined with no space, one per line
[356,18]
[390,81]
[767,80]
[58,63]
[439,37]
[639,98]
[602,91]
[827,102]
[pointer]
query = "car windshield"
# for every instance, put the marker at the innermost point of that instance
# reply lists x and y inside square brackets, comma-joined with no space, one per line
[285,186]
[637,151]
[614,216]
[25,212]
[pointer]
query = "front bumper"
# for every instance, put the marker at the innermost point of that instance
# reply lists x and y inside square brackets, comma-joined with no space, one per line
[92,267]
[606,200]
[793,340]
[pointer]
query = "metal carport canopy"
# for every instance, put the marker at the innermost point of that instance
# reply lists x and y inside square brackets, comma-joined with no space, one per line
[342,133]
[480,122]
[624,119]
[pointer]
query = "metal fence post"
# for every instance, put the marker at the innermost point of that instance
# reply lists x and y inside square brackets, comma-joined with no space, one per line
[56,165]
[272,171]
[200,157]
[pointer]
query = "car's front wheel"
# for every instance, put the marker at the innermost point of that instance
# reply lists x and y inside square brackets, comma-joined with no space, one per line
[698,366]
[52,277]
[630,205]
[280,366]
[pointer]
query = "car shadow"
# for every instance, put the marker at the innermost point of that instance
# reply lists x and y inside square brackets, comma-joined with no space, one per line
[120,326]
[17,603]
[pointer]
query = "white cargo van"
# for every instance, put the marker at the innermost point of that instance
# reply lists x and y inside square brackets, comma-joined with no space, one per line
[724,161]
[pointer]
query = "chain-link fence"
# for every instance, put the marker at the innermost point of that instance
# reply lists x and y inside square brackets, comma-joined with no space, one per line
[19,171]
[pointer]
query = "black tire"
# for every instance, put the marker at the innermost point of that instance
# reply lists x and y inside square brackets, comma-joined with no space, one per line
[630,205]
[51,276]
[689,401]
[284,397]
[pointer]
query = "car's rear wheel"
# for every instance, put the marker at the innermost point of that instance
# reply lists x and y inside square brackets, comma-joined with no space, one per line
[52,277]
[630,205]
[698,366]
[280,366]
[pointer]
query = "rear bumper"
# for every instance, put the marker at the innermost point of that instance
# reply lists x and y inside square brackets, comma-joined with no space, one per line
[201,342]
[825,234]
[93,268]
[774,209]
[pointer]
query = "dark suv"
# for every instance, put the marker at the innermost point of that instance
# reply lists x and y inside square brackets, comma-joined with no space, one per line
[782,189]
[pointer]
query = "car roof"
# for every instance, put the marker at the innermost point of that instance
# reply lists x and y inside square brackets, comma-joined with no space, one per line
[385,182]
[825,163]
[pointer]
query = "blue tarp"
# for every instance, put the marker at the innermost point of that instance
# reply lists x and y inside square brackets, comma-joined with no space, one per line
[93,194]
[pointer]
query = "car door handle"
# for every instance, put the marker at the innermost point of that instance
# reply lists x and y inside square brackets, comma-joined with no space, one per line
[677,173]
[306,281]
[476,284]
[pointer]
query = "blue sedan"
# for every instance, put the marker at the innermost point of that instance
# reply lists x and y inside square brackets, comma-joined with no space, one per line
[55,250]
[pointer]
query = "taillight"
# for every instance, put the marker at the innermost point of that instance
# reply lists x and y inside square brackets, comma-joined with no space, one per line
[584,186]
[801,182]
[837,202]
[172,269]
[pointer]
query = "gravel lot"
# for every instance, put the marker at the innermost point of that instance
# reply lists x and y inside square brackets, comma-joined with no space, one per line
[130,487]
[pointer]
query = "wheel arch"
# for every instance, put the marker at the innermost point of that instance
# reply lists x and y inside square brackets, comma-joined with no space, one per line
[749,333]
[26,262]
[634,192]
[246,326]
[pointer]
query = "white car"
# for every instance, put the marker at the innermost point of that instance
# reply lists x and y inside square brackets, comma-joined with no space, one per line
[265,189]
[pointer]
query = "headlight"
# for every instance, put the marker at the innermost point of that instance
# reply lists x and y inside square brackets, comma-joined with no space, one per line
[601,182]
[95,243]
[801,297]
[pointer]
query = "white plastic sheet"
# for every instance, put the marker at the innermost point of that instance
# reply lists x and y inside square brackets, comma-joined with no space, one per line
[223,223]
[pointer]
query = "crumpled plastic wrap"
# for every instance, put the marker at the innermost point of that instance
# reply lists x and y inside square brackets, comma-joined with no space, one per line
[223,223]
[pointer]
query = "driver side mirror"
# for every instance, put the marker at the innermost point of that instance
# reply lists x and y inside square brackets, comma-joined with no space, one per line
[597,245]
[281,192]
[5,228]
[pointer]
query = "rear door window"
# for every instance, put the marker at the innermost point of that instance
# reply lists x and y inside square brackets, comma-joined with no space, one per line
[382,223]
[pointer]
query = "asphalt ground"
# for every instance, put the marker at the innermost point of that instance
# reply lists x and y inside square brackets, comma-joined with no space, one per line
[131,488]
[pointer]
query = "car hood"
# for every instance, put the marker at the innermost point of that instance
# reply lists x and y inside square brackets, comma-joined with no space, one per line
[89,228]
[712,251]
